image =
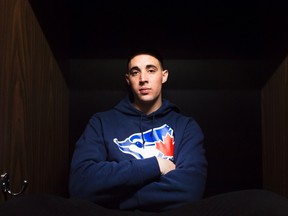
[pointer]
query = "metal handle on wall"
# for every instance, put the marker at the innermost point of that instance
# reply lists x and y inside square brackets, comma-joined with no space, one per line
[5,184]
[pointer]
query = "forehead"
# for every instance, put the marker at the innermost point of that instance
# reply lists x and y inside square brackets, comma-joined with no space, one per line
[143,60]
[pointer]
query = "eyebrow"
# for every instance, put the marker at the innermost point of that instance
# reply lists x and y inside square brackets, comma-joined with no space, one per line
[149,66]
[138,69]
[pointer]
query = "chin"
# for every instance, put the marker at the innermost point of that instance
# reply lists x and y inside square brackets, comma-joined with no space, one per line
[147,100]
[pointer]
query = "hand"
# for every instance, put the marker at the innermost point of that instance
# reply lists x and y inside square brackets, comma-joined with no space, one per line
[165,165]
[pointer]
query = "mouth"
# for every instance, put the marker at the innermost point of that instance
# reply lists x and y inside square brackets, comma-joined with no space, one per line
[144,90]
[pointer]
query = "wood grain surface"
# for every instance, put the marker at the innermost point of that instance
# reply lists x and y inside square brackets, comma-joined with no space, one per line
[34,105]
[275,131]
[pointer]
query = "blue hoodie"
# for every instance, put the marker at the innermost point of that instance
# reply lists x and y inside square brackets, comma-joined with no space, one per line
[114,162]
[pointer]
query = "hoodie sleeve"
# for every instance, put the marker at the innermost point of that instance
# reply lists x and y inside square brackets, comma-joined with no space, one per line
[186,183]
[94,178]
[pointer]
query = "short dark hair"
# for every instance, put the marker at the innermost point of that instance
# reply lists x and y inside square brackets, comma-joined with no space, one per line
[148,51]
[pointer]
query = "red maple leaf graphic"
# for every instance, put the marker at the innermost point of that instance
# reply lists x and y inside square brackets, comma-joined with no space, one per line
[166,147]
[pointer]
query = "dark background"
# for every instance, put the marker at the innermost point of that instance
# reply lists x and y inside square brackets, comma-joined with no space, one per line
[219,55]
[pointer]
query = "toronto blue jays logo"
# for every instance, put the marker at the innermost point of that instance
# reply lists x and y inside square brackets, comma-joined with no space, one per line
[157,142]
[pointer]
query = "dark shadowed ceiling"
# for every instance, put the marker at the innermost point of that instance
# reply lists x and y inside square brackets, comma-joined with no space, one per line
[183,30]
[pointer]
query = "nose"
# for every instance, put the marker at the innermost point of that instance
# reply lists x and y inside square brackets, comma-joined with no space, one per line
[143,77]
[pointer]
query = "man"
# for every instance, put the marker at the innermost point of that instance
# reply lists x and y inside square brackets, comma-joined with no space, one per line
[142,154]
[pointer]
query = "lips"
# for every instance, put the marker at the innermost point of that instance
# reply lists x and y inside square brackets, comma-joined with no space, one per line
[144,90]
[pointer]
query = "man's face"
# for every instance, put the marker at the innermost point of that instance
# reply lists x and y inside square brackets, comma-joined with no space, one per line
[146,77]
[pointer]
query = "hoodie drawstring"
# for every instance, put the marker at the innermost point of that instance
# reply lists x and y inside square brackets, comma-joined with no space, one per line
[152,130]
[142,135]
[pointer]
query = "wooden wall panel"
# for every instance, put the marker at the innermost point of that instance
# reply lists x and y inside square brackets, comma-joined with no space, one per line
[275,131]
[33,105]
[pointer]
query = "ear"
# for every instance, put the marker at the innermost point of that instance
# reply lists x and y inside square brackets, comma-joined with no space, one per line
[127,79]
[165,74]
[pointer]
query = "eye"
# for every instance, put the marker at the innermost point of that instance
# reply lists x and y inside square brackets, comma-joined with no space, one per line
[139,144]
[151,70]
[134,73]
